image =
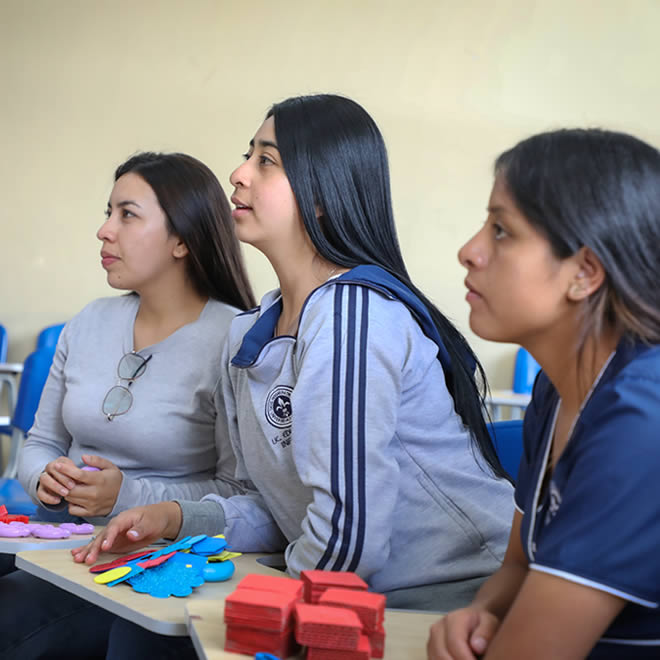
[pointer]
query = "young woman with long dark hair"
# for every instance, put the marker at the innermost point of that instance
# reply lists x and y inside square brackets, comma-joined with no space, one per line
[352,402]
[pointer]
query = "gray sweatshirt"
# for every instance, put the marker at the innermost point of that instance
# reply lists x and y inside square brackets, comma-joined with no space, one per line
[347,439]
[168,444]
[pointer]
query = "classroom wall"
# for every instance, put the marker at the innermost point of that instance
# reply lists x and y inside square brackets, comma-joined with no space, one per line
[85,83]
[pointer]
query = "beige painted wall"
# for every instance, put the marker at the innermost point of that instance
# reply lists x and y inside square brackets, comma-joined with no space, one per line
[84,83]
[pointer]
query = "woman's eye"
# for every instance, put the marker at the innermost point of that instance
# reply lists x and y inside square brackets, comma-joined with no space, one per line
[264,160]
[499,231]
[107,213]
[245,156]
[125,213]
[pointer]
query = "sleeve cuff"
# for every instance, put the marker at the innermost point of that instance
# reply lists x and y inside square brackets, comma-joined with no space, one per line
[207,517]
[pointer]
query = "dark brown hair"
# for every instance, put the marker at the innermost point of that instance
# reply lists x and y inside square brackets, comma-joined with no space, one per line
[198,213]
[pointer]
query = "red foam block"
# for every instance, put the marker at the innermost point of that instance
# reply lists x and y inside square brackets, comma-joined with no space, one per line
[276,583]
[369,606]
[363,652]
[327,627]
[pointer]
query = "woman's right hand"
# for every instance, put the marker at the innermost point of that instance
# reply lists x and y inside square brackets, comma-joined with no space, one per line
[133,529]
[462,634]
[54,483]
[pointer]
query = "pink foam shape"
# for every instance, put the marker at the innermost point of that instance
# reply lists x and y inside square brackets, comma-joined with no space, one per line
[12,531]
[50,532]
[82,528]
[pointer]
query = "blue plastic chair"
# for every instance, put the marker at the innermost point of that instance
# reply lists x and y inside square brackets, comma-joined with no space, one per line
[48,337]
[35,372]
[524,372]
[508,440]
[4,344]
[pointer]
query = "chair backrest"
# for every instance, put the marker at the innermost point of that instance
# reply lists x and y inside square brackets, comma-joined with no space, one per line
[4,344]
[33,379]
[524,372]
[48,337]
[508,440]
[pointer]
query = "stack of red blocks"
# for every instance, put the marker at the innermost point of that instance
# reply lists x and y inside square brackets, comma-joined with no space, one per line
[316,582]
[370,608]
[339,618]
[259,615]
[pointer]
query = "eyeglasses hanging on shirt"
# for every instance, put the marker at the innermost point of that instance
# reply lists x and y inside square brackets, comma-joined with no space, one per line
[119,399]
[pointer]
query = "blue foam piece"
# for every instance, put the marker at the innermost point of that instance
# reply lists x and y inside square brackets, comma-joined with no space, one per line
[209,546]
[219,571]
[176,577]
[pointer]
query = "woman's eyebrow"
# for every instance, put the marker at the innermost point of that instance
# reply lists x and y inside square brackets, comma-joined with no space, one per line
[126,202]
[265,143]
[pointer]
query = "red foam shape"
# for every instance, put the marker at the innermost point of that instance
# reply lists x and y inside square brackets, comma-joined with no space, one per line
[120,561]
[157,561]
[377,641]
[327,627]
[316,582]
[7,517]
[362,652]
[369,606]
[239,639]
[245,605]
[272,583]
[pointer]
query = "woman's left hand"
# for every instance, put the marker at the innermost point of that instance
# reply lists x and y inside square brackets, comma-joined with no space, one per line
[95,492]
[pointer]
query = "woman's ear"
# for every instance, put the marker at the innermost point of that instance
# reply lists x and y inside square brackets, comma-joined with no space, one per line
[180,250]
[589,275]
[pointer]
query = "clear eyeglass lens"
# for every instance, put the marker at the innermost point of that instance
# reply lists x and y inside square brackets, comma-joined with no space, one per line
[117,401]
[131,366]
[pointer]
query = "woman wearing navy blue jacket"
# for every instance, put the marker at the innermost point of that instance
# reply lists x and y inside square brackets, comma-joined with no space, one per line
[352,402]
[567,265]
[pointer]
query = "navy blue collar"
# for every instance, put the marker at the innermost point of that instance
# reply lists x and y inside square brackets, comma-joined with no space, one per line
[373,277]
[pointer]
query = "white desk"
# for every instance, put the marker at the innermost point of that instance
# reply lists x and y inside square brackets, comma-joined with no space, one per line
[499,399]
[202,612]
[165,616]
[406,633]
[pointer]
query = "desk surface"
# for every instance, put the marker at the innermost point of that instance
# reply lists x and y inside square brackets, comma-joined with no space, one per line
[11,546]
[165,616]
[406,633]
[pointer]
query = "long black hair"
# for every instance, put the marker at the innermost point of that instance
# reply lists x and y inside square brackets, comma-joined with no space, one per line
[599,189]
[198,212]
[336,162]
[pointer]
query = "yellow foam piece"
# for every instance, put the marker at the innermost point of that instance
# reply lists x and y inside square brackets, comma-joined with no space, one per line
[112,574]
[224,556]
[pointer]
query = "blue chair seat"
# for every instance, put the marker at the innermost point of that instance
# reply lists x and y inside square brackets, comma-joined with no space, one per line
[508,440]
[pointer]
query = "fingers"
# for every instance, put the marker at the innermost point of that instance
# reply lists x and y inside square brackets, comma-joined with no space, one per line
[98,462]
[461,635]
[64,470]
[483,633]
[88,553]
[440,646]
[47,496]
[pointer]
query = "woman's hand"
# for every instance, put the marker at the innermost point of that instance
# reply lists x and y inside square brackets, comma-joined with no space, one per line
[94,492]
[133,529]
[56,481]
[462,634]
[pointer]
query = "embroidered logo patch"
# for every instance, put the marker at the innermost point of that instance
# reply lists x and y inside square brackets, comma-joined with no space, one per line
[278,406]
[555,502]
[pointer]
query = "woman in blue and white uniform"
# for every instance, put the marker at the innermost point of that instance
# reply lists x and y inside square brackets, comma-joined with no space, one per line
[567,265]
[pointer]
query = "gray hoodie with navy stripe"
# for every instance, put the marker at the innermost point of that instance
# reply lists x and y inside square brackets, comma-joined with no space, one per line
[348,445]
